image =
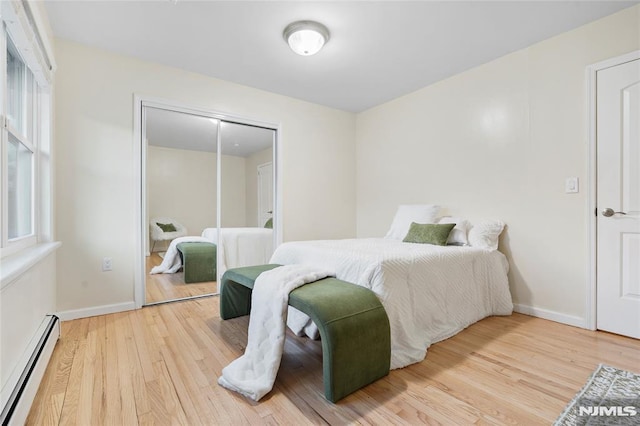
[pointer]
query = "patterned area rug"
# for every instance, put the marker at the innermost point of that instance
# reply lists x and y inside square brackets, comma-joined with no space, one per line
[610,397]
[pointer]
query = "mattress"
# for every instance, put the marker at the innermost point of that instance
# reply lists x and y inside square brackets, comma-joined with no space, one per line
[430,292]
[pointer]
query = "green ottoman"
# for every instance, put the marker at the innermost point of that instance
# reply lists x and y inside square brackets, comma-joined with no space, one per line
[198,261]
[353,325]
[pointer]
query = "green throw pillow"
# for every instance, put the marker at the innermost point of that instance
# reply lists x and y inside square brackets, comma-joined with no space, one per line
[269,224]
[429,233]
[166,227]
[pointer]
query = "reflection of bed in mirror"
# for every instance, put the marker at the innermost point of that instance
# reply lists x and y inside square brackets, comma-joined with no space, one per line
[241,246]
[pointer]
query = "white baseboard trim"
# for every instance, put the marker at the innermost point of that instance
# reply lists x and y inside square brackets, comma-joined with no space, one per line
[550,315]
[96,310]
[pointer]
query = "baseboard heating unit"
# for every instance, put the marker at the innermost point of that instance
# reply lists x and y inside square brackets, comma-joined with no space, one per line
[23,385]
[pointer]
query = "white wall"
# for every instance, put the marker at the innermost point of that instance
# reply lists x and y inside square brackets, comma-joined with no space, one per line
[498,141]
[95,163]
[24,302]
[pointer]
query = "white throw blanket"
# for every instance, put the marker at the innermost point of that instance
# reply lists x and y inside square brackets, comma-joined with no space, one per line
[254,373]
[171,262]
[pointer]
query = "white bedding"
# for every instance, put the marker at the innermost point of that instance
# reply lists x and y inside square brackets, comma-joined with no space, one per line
[429,292]
[241,246]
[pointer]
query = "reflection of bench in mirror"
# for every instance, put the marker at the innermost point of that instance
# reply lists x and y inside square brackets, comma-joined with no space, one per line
[198,261]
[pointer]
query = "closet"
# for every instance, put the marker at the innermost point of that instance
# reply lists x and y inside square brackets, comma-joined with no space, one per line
[208,196]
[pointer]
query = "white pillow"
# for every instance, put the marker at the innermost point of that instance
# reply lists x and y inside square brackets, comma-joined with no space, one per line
[407,213]
[458,235]
[485,234]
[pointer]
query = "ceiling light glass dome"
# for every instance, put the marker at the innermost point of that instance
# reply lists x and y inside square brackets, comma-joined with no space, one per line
[306,38]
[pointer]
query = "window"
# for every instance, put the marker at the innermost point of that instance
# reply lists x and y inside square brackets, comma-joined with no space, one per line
[25,117]
[20,190]
[19,125]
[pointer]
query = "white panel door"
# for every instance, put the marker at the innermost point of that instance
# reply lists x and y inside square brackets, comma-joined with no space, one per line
[618,195]
[265,193]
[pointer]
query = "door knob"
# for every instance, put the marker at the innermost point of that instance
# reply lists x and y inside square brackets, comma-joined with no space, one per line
[608,212]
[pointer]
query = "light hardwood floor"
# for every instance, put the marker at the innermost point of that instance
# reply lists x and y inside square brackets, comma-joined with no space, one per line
[163,287]
[160,364]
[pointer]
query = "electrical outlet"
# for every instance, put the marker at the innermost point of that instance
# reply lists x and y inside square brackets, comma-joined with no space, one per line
[106,264]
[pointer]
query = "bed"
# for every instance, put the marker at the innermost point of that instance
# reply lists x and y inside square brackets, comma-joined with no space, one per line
[429,292]
[241,246]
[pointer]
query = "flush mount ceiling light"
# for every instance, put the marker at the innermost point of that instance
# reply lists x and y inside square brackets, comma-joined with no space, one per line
[306,38]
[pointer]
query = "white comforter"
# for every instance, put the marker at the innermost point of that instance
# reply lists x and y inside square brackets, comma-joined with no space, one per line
[429,292]
[241,246]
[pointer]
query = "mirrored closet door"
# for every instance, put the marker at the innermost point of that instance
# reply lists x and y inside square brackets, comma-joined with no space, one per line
[209,200]
[181,203]
[246,196]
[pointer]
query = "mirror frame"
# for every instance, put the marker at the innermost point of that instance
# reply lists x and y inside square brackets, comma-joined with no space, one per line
[140,158]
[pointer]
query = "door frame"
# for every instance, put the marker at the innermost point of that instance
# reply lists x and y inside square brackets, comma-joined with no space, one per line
[591,294]
[139,168]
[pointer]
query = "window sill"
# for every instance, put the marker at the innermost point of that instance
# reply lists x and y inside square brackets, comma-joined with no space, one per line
[13,266]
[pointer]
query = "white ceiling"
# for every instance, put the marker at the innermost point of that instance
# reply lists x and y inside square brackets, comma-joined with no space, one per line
[170,129]
[377,52]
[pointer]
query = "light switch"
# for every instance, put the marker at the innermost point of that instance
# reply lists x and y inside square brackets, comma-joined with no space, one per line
[571,185]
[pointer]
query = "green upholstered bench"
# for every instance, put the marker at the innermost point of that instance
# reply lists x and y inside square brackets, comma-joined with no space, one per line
[198,261]
[353,325]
